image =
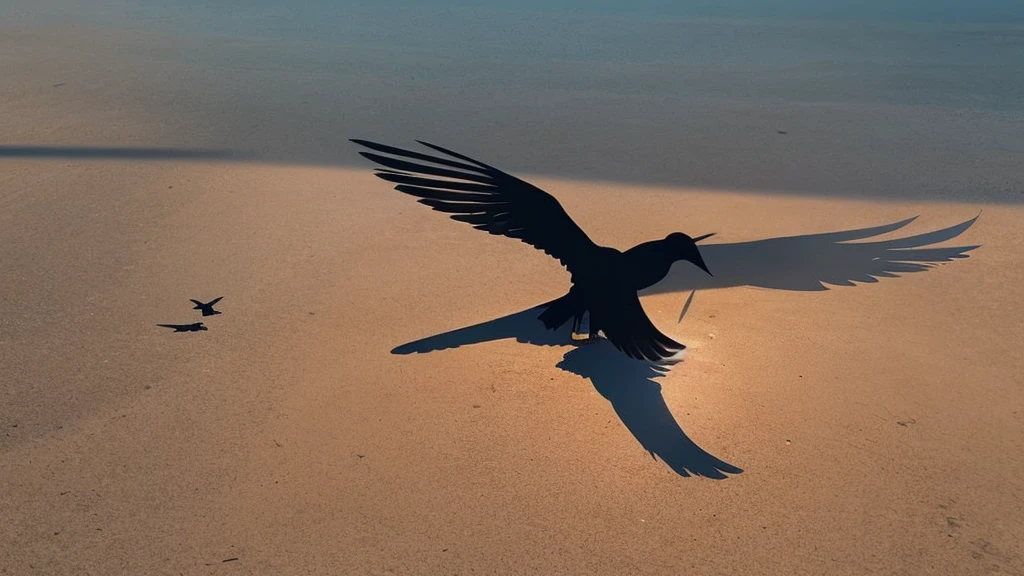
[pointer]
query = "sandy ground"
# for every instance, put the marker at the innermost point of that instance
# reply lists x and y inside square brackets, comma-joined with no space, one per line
[328,422]
[878,427]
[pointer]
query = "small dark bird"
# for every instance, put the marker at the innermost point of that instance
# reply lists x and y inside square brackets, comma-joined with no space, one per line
[605,281]
[208,307]
[196,327]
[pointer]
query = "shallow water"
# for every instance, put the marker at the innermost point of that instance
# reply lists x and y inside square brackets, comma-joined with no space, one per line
[894,99]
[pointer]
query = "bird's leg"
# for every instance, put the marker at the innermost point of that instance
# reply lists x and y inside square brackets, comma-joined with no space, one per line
[577,319]
[577,334]
[591,330]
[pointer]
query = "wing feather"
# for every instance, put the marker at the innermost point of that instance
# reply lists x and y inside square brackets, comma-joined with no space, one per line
[486,198]
[407,166]
[420,156]
[624,322]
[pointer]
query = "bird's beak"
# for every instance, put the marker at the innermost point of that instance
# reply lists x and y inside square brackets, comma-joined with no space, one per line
[700,264]
[704,237]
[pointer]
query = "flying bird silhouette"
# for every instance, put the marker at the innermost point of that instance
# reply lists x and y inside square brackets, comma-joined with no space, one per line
[208,307]
[605,281]
[196,327]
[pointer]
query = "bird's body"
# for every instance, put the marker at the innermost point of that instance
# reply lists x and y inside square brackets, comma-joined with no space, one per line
[605,280]
[612,272]
[648,263]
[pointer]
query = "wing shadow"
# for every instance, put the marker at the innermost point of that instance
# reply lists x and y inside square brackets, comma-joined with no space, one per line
[809,262]
[802,263]
[626,383]
[523,326]
[629,385]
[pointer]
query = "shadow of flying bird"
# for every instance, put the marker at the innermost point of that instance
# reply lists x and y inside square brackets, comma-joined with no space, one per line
[195,327]
[208,307]
[605,281]
[627,384]
[800,263]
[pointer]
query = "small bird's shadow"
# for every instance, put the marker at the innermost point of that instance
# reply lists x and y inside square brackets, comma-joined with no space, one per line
[800,263]
[626,383]
[194,327]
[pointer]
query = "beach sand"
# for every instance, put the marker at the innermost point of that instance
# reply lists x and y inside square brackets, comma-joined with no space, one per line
[878,427]
[327,424]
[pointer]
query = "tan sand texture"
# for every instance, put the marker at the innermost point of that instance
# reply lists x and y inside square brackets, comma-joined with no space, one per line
[879,427]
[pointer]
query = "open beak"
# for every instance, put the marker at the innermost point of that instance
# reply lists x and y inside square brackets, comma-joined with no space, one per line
[700,264]
[704,237]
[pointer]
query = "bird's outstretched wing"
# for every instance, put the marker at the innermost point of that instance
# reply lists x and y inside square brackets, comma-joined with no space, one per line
[214,301]
[486,198]
[619,314]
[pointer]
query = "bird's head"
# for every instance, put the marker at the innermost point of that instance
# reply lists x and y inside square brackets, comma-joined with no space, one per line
[685,248]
